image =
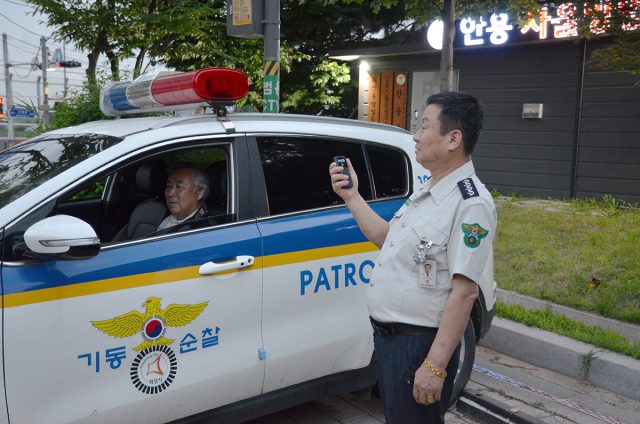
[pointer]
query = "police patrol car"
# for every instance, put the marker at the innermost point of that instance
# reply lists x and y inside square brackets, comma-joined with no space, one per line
[254,308]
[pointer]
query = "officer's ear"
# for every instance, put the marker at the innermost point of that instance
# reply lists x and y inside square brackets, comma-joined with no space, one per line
[200,194]
[455,140]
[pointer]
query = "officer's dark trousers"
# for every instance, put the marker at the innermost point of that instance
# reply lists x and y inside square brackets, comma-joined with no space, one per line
[398,358]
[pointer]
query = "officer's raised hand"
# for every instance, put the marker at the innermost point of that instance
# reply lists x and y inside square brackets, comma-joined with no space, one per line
[339,181]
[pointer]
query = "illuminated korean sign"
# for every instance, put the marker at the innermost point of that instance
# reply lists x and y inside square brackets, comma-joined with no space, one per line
[498,29]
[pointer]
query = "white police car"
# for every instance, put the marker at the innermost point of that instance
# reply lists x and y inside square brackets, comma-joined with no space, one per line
[257,307]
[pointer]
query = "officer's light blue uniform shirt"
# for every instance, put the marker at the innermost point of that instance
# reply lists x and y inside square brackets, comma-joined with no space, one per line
[462,231]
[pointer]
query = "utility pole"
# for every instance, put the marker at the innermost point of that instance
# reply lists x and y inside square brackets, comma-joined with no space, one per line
[271,56]
[7,80]
[39,100]
[45,91]
[64,59]
[255,19]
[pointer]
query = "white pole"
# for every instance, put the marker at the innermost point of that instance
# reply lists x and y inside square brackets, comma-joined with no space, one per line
[7,79]
[45,63]
[64,59]
[39,99]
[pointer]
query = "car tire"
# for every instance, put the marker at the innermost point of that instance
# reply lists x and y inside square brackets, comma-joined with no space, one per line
[465,365]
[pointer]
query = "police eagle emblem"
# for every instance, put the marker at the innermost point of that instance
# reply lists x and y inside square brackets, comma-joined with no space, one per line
[473,233]
[151,324]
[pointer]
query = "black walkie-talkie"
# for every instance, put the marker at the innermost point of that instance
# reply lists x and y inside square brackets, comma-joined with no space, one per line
[342,161]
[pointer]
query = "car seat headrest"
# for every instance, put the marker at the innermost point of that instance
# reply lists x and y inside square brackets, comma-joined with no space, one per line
[151,178]
[217,173]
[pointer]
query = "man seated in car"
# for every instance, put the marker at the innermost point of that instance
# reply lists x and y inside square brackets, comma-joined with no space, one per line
[187,187]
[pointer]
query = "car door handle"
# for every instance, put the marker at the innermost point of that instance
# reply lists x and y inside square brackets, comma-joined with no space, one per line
[212,267]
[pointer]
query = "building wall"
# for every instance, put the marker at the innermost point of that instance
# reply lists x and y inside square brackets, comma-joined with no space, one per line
[537,157]
[609,144]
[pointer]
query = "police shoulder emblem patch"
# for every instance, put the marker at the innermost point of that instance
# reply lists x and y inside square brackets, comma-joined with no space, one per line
[473,233]
[467,188]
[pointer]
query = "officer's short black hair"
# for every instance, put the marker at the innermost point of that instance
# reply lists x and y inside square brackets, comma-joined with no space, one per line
[460,111]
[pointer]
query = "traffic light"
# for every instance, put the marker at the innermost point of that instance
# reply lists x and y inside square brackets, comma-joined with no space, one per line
[1,108]
[68,64]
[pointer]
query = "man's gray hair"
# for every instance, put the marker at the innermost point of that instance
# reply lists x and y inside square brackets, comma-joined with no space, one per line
[200,179]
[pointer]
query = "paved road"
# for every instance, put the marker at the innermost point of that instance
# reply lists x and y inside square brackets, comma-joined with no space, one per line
[534,394]
[343,409]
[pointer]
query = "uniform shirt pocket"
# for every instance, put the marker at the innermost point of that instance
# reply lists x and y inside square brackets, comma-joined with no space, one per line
[424,231]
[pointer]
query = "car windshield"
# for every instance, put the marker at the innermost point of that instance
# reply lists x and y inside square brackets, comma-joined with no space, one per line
[31,164]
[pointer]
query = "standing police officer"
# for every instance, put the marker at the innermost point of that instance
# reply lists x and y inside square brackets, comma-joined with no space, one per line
[448,224]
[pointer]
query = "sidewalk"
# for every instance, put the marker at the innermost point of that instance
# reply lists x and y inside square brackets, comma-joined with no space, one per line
[608,370]
[534,395]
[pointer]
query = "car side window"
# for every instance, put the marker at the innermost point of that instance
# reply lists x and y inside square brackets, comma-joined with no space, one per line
[147,205]
[390,171]
[296,171]
[134,203]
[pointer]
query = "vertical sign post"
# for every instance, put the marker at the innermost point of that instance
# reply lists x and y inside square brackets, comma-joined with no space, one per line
[271,56]
[260,19]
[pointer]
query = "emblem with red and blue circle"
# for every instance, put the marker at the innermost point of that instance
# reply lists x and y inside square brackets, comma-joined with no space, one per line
[154,328]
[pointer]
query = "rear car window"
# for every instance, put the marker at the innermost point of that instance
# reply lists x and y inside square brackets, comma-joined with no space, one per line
[390,171]
[296,171]
[31,164]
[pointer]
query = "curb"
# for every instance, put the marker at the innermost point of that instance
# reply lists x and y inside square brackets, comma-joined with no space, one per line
[491,411]
[630,331]
[605,369]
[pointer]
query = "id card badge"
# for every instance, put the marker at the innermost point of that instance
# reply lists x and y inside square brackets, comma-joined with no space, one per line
[428,274]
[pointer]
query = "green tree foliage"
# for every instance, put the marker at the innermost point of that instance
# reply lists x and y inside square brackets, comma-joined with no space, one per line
[310,82]
[82,105]
[620,19]
[122,29]
[425,11]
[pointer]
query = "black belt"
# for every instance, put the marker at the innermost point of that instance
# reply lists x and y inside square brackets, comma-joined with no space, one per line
[385,329]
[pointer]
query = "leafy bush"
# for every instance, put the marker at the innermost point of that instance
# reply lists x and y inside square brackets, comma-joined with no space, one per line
[82,105]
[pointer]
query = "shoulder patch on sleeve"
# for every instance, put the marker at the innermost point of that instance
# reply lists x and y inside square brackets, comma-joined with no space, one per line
[467,188]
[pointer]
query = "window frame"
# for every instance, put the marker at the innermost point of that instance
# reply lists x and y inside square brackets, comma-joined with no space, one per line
[407,168]
[260,192]
[240,199]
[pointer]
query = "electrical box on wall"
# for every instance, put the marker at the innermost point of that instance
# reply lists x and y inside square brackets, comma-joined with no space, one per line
[532,110]
[245,18]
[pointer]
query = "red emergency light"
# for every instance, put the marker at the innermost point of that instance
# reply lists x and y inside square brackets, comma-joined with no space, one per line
[150,93]
[207,84]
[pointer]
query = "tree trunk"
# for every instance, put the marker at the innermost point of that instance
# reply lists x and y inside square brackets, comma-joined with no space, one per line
[115,65]
[139,61]
[446,56]
[98,47]
[143,50]
[91,69]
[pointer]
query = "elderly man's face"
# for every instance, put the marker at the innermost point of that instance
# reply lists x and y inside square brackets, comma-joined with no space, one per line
[180,196]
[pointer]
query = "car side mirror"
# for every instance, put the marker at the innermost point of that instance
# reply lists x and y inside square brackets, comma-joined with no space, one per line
[63,237]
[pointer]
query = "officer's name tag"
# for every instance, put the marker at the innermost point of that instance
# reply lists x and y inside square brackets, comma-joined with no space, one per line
[428,274]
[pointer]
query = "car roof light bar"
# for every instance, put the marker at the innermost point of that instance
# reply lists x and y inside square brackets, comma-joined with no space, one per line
[169,91]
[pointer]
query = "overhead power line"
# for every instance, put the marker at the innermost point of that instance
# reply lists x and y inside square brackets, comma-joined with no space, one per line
[55,45]
[19,48]
[22,41]
[19,4]
[20,25]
